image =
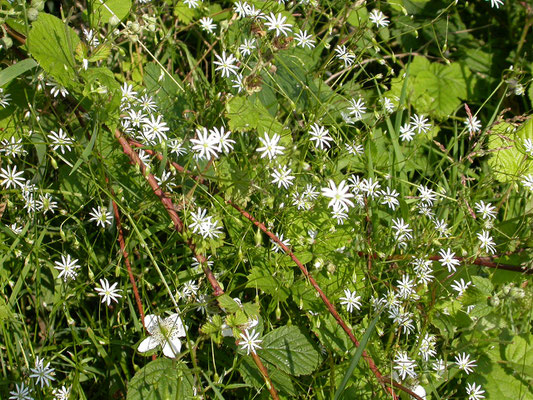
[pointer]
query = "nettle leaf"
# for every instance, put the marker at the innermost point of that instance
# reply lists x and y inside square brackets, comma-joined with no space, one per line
[53,43]
[103,10]
[290,350]
[227,303]
[509,161]
[262,279]
[161,379]
[484,285]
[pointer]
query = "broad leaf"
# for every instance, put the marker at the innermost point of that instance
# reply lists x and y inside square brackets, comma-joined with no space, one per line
[439,88]
[161,379]
[520,356]
[103,10]
[290,350]
[251,375]
[509,161]
[53,43]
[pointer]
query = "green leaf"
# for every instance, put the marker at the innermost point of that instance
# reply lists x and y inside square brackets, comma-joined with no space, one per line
[184,13]
[440,88]
[252,376]
[227,303]
[103,10]
[498,382]
[5,311]
[245,115]
[520,356]
[484,285]
[290,350]
[53,43]
[356,357]
[262,279]
[509,161]
[11,72]
[161,379]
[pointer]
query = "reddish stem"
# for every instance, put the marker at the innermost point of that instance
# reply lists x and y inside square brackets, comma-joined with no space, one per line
[178,226]
[323,296]
[126,260]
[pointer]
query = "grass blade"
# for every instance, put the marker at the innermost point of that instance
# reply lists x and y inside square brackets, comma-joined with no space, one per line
[356,357]
[11,72]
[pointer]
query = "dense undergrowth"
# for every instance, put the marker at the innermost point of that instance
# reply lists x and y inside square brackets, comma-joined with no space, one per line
[300,199]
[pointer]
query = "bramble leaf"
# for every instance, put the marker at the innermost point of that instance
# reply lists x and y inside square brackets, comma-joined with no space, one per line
[161,379]
[290,350]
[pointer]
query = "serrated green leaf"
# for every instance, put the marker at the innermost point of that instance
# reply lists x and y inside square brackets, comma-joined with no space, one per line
[52,43]
[262,279]
[237,319]
[499,383]
[440,88]
[484,285]
[212,326]
[228,304]
[244,114]
[161,379]
[290,350]
[509,161]
[185,13]
[251,309]
[251,375]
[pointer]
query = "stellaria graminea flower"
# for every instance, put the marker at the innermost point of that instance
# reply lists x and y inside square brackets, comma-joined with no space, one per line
[249,341]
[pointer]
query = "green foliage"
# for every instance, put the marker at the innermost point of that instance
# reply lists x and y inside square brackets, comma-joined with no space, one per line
[161,379]
[401,185]
[104,10]
[52,43]
[11,72]
[290,350]
[509,159]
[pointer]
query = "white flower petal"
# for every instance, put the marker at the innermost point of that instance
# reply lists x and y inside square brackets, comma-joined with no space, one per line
[148,344]
[174,321]
[172,348]
[151,322]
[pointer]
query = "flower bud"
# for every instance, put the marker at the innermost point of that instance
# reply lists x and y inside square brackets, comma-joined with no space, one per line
[113,20]
[495,301]
[517,293]
[6,42]
[33,13]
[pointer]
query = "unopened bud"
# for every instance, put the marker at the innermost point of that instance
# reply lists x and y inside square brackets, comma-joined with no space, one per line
[113,20]
[33,13]
[6,42]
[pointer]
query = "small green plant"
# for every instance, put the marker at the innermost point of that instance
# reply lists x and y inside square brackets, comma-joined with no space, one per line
[252,199]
